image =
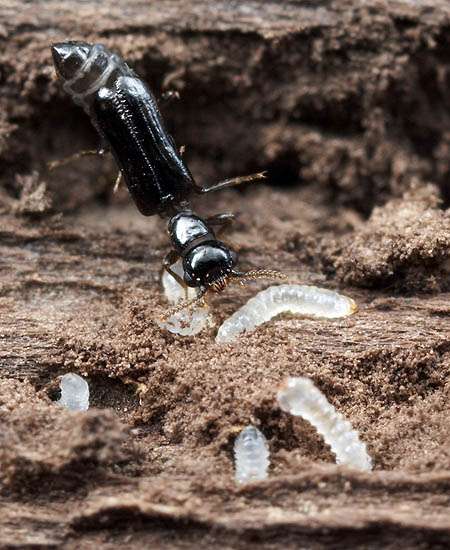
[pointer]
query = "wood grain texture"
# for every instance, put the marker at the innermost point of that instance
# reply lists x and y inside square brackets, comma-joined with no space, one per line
[346,104]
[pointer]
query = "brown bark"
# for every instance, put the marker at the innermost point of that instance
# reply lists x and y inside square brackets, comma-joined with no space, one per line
[346,104]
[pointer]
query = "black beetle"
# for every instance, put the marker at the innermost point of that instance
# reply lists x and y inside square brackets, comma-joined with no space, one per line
[126,115]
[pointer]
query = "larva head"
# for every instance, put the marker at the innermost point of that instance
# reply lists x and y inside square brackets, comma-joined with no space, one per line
[69,57]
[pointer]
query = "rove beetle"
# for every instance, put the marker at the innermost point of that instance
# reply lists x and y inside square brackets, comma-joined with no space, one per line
[126,115]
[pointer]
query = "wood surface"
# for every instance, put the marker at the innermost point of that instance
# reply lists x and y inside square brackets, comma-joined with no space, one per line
[346,104]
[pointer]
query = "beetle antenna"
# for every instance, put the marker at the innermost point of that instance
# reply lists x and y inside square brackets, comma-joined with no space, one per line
[246,276]
[185,304]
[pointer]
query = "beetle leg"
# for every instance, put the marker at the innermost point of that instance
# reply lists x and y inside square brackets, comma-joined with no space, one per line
[87,153]
[231,182]
[117,182]
[223,221]
[170,258]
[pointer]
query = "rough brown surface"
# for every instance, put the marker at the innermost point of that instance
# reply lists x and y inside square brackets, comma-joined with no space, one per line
[42,444]
[346,103]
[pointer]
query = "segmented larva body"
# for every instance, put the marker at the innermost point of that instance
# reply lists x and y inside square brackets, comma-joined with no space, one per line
[297,299]
[300,397]
[251,454]
[187,322]
[74,392]
[100,68]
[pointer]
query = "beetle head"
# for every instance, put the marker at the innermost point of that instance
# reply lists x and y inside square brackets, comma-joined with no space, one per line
[209,266]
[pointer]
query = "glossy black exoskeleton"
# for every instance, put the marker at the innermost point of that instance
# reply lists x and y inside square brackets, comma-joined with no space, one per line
[126,115]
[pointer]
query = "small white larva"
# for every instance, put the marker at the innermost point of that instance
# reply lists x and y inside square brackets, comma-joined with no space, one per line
[173,291]
[186,322]
[251,454]
[300,397]
[74,392]
[297,299]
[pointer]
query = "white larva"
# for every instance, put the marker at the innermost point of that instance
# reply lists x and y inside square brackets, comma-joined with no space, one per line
[186,322]
[173,291]
[251,454]
[74,392]
[297,299]
[300,397]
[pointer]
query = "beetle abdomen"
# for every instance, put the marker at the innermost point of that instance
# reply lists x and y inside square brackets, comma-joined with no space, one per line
[85,68]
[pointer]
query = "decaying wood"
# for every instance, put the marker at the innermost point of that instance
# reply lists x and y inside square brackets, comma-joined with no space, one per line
[346,104]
